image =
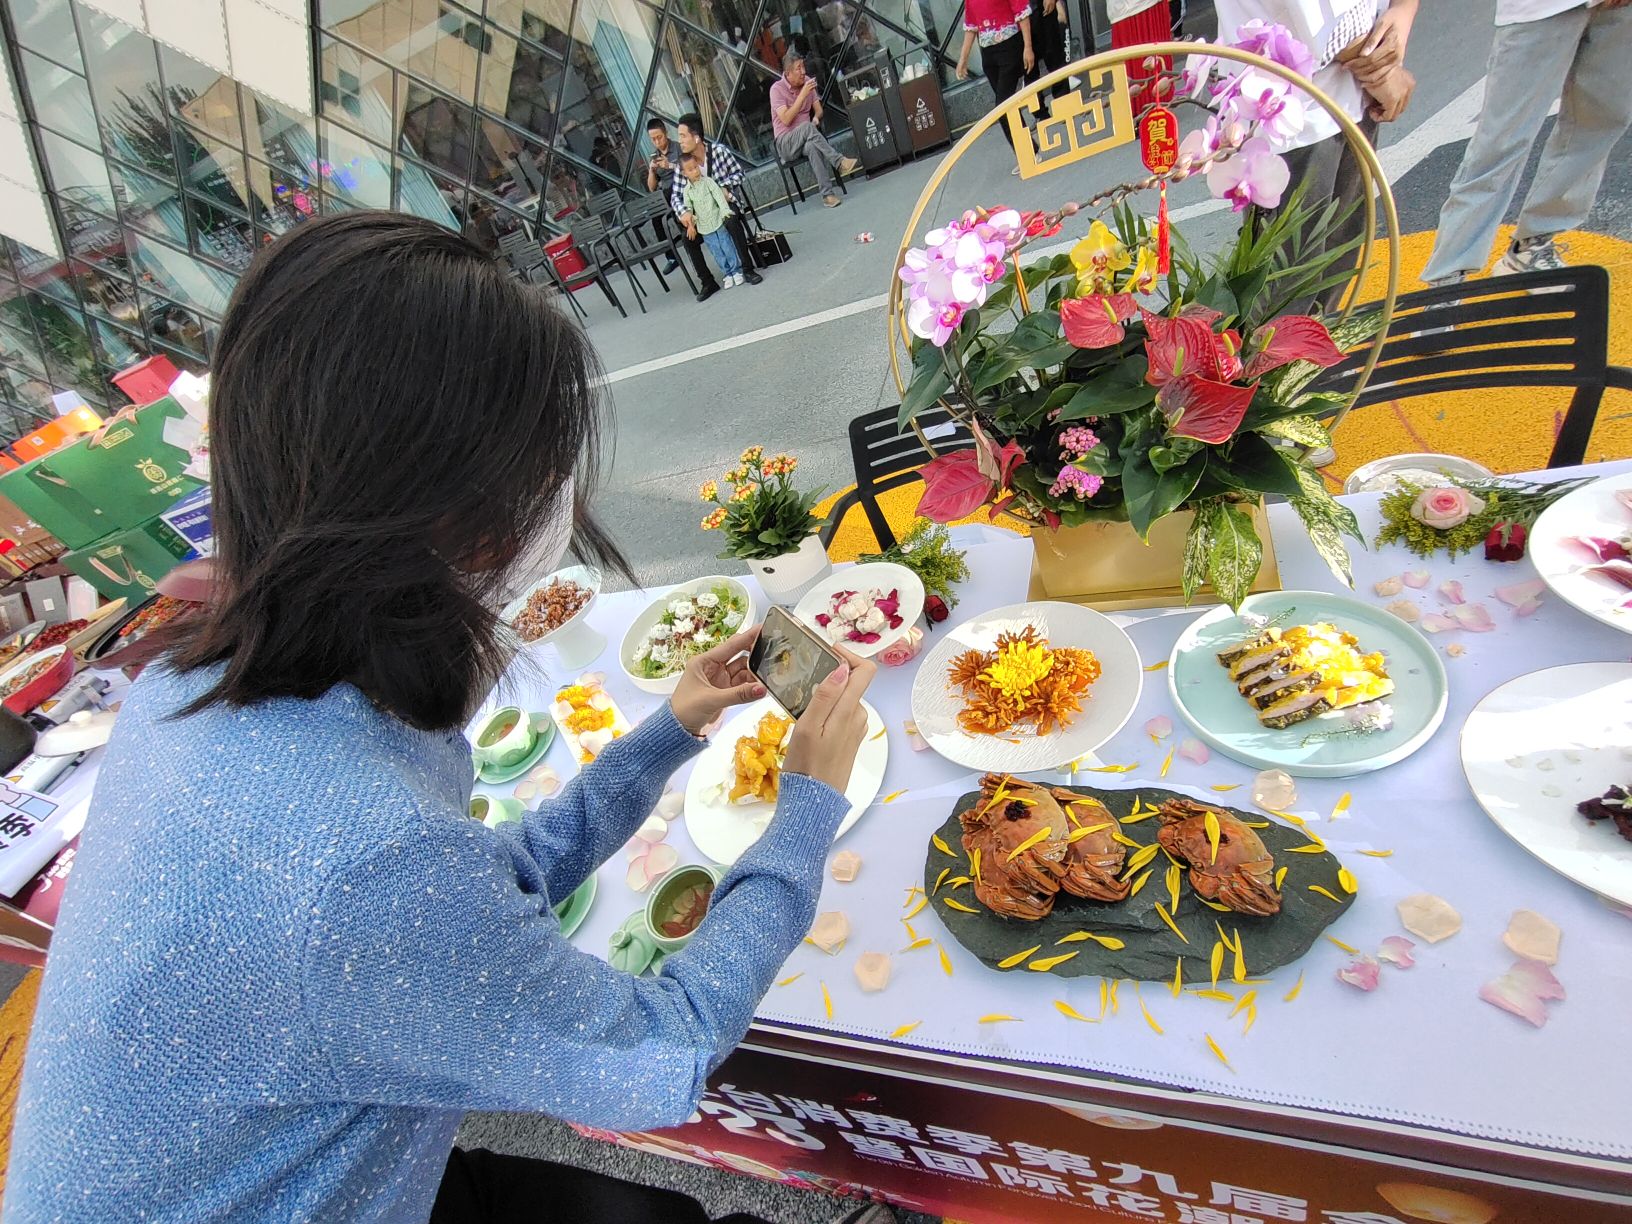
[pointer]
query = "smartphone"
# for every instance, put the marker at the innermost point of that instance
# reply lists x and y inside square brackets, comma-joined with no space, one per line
[790,660]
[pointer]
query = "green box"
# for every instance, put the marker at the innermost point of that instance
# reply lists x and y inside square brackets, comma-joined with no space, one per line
[127,564]
[82,492]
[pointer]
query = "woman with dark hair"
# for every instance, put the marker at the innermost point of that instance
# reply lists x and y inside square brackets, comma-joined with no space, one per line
[289,961]
[1003,30]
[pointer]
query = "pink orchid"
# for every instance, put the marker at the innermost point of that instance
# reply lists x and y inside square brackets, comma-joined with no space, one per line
[1274,42]
[1096,321]
[1292,337]
[1200,144]
[1255,175]
[934,321]
[1270,103]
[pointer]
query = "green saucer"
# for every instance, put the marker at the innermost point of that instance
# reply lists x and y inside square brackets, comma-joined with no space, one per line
[546,737]
[572,912]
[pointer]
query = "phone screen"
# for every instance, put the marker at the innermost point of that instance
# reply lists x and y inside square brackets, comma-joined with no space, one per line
[790,660]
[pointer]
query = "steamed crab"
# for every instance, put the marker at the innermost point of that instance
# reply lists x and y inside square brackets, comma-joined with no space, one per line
[1241,875]
[1012,814]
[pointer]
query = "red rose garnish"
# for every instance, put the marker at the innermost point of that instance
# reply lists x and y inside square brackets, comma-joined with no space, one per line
[935,609]
[1505,542]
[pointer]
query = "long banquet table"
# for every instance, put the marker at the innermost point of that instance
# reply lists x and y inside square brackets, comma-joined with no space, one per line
[1419,1078]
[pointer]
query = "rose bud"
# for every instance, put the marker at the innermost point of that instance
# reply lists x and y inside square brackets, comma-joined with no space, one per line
[1512,550]
[935,609]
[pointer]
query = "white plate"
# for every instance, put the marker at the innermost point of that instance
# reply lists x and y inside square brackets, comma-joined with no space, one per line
[654,612]
[1592,511]
[1108,705]
[586,576]
[724,830]
[884,576]
[1584,709]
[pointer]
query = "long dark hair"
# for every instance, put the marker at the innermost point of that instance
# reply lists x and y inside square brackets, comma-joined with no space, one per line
[392,421]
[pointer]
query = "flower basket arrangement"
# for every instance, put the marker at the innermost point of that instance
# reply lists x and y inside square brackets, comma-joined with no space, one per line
[768,523]
[1130,378]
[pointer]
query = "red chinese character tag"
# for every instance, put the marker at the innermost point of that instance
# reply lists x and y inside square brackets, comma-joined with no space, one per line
[1159,150]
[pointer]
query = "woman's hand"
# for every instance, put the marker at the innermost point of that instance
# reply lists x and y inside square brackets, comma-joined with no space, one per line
[1028,58]
[962,70]
[714,681]
[826,739]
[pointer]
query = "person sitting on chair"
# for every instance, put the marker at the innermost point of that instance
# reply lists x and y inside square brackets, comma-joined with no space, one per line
[721,165]
[796,114]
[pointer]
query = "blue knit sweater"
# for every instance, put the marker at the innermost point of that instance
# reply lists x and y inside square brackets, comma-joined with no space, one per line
[288,962]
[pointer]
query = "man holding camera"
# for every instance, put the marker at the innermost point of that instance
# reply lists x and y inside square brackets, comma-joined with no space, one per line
[796,116]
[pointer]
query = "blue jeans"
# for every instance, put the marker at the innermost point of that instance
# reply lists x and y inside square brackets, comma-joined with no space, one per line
[724,251]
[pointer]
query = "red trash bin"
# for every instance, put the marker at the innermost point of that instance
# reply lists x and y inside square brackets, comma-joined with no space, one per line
[567,258]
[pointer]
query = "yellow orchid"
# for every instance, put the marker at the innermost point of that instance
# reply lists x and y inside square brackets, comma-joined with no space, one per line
[1143,277]
[1099,254]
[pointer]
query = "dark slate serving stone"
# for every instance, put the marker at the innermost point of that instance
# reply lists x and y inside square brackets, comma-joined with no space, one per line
[1151,950]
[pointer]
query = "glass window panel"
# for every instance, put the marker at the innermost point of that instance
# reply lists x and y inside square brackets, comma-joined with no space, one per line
[695,73]
[354,169]
[202,98]
[436,129]
[731,21]
[177,327]
[104,294]
[278,135]
[817,30]
[487,223]
[152,205]
[18,346]
[873,40]
[356,90]
[179,275]
[337,204]
[118,348]
[32,394]
[614,42]
[47,26]
[88,234]
[211,169]
[749,131]
[522,82]
[77,174]
[425,193]
[65,342]
[220,235]
[123,67]
[543,21]
[279,199]
[568,189]
[61,98]
[440,43]
[509,164]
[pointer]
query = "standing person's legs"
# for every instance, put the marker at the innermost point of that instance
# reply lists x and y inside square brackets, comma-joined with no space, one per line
[724,252]
[1004,68]
[808,142]
[1593,115]
[1528,65]
[1048,40]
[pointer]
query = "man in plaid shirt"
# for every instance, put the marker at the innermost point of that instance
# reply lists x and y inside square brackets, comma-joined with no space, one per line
[721,165]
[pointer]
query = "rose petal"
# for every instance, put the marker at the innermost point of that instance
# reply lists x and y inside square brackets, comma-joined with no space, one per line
[1430,917]
[1598,548]
[1456,650]
[652,830]
[591,680]
[1388,587]
[1274,790]
[661,861]
[1361,973]
[1511,994]
[1451,591]
[527,791]
[1438,622]
[1396,950]
[1195,751]
[1616,571]
[1538,978]
[548,780]
[1416,579]
[1405,610]
[1517,594]
[1532,937]
[1473,617]
[918,742]
[672,805]
[1624,496]
[823,620]
[1525,609]
[1159,727]
[635,877]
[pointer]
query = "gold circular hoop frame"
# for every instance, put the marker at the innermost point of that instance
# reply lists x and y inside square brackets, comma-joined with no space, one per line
[1374,186]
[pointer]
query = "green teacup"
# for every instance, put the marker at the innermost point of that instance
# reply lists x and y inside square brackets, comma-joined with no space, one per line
[505,738]
[492,811]
[678,904]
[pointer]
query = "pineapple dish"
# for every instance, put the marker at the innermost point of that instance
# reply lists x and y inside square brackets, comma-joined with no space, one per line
[1289,675]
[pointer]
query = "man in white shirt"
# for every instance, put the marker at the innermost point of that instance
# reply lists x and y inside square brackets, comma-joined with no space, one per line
[1571,50]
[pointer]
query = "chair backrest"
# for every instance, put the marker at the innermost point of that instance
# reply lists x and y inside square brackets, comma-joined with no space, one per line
[586,230]
[886,457]
[1539,329]
[605,204]
[520,252]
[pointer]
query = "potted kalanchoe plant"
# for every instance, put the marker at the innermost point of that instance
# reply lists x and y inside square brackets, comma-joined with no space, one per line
[769,524]
[1106,395]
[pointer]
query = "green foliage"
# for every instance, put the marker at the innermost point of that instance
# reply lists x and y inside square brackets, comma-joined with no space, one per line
[1506,503]
[1234,551]
[927,551]
[772,518]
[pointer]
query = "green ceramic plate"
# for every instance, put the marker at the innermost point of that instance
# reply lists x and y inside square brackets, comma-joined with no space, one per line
[572,912]
[544,725]
[1208,701]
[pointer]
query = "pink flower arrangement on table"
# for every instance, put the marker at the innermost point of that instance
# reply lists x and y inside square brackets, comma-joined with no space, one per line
[861,617]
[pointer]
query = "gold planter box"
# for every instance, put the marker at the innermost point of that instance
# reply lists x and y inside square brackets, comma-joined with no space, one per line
[1105,565]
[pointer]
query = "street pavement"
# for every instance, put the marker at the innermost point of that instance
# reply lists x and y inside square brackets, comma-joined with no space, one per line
[788,363]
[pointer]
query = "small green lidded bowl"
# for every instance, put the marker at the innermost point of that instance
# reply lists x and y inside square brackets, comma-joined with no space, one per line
[679,903]
[506,738]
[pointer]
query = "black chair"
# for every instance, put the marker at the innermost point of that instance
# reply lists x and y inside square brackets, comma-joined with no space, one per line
[636,248]
[886,457]
[792,185]
[608,206]
[527,261]
[1538,329]
[594,243]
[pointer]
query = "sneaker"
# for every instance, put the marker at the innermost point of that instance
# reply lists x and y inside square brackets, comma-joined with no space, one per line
[1532,255]
[1015,172]
[728,282]
[708,291]
[1455,278]
[848,166]
[672,266]
[832,201]
[752,277]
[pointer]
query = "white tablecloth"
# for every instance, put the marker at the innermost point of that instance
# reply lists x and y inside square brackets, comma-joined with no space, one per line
[1422,1048]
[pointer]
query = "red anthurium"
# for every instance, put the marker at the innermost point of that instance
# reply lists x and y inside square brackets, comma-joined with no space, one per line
[1176,347]
[1226,356]
[997,463]
[1200,408]
[954,487]
[1294,337]
[1206,314]
[1096,321]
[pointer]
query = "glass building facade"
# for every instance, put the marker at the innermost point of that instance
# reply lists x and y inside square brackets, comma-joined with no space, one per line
[164,176]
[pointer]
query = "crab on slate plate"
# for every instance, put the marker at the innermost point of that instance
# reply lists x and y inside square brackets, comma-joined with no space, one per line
[1088,877]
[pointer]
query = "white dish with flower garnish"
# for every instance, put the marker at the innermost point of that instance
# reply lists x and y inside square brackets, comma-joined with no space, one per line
[864,608]
[1581,547]
[691,618]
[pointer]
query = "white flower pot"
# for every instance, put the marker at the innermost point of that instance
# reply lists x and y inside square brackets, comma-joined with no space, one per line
[789,576]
